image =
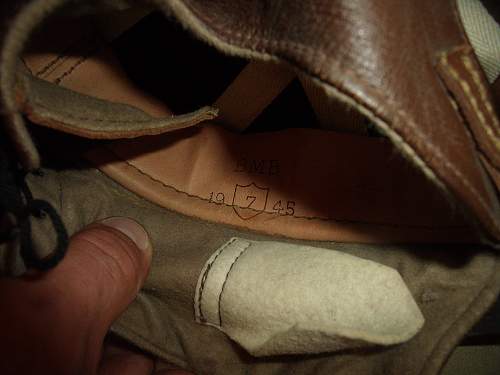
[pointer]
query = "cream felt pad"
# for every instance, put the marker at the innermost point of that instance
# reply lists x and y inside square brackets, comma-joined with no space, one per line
[276,298]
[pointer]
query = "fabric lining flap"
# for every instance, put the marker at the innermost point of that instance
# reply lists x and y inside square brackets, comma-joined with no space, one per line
[71,112]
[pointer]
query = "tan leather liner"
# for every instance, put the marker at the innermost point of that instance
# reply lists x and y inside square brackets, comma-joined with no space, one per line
[299,183]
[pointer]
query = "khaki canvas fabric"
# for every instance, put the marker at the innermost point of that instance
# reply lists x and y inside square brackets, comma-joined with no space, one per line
[453,285]
[484,34]
[451,291]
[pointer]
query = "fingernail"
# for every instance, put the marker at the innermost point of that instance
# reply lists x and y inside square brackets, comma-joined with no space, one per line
[132,230]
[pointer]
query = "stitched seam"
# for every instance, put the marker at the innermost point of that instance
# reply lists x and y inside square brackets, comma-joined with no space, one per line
[91,41]
[482,89]
[71,69]
[453,102]
[226,278]
[468,91]
[204,279]
[93,48]
[311,218]
[61,56]
[319,55]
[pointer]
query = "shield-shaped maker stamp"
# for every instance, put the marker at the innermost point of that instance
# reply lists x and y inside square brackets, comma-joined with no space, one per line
[249,200]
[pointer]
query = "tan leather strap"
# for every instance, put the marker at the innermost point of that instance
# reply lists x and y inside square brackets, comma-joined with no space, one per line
[484,35]
[251,92]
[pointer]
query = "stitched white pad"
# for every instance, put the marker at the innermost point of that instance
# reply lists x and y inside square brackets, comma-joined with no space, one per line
[277,298]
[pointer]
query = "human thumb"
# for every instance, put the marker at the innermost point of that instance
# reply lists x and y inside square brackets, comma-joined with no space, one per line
[59,318]
[109,262]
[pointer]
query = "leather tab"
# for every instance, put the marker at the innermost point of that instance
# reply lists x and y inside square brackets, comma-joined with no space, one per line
[467,83]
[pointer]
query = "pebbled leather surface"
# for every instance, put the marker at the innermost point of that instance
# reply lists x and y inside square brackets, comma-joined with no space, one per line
[383,55]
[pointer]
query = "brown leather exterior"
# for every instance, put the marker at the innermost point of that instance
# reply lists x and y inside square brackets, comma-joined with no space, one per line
[384,55]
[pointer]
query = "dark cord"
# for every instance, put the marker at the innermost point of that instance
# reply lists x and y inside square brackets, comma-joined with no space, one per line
[16,200]
[40,208]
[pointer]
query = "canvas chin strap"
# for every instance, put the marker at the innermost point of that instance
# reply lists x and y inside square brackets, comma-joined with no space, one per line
[484,34]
